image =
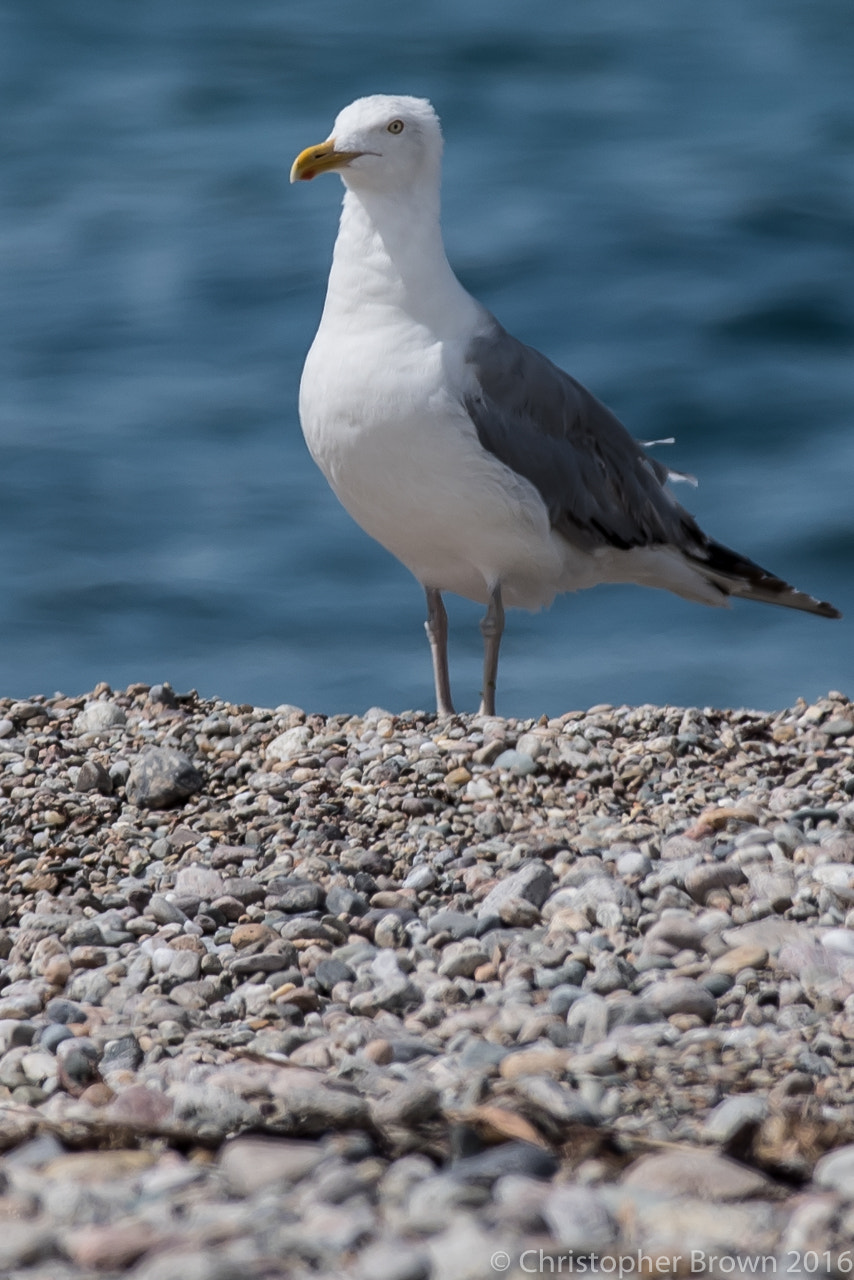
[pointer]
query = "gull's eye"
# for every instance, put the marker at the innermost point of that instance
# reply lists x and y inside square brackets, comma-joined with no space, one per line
[396,126]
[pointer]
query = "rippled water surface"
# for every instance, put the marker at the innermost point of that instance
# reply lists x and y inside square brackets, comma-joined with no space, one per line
[660,196]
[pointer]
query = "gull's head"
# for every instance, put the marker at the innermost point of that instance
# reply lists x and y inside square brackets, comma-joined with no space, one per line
[384,142]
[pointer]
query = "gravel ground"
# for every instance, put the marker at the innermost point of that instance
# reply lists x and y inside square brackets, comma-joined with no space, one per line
[396,999]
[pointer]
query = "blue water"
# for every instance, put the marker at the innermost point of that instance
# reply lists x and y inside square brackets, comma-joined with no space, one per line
[658,195]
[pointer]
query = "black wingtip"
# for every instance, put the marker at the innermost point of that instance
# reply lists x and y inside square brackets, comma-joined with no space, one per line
[738,576]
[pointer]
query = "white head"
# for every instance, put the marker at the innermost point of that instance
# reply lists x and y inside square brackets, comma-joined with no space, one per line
[382,143]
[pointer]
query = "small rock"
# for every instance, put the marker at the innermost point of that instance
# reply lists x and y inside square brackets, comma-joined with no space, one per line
[109,1246]
[92,776]
[534,1062]
[579,1218]
[460,959]
[734,1117]
[290,745]
[835,1171]
[743,957]
[341,901]
[249,1164]
[681,995]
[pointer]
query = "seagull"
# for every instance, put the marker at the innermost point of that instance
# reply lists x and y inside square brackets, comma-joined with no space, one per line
[477,462]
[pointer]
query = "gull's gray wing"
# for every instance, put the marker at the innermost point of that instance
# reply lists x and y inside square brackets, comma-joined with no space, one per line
[599,484]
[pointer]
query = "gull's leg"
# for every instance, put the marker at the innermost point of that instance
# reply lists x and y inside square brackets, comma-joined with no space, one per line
[436,627]
[492,628]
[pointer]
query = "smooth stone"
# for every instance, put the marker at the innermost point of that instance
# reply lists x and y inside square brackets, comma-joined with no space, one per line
[743,957]
[481,1055]
[420,878]
[770,933]
[410,1104]
[677,928]
[702,880]
[718,984]
[163,911]
[579,1217]
[297,898]
[433,1201]
[681,995]
[457,923]
[633,863]
[520,1158]
[53,1035]
[835,1171]
[199,881]
[699,1173]
[534,1062]
[110,1246]
[393,1258]
[249,1164]
[460,959]
[734,1116]
[562,998]
[331,971]
[64,1011]
[840,941]
[83,933]
[572,973]
[518,762]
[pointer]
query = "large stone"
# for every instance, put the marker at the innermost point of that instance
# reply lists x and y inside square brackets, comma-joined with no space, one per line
[161,777]
[533,882]
[699,1173]
[835,1171]
[100,716]
[250,1163]
[681,995]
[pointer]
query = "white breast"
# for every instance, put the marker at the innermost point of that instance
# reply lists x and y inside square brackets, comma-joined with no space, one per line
[404,460]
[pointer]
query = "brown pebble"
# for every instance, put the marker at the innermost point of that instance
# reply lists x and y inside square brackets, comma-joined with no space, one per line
[534,1062]
[109,1247]
[57,970]
[303,997]
[98,1094]
[378,1051]
[189,942]
[88,957]
[519,912]
[744,957]
[246,935]
[392,898]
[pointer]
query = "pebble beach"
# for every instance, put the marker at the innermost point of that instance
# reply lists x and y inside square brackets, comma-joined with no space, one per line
[392,998]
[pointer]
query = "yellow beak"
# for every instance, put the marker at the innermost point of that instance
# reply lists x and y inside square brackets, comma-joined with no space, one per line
[320,159]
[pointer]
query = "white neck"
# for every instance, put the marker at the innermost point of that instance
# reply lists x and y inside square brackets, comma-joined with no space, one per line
[389,255]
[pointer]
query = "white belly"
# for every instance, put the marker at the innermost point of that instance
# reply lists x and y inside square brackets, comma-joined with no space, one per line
[404,460]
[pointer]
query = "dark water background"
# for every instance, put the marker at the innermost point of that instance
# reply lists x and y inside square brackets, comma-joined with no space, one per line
[658,195]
